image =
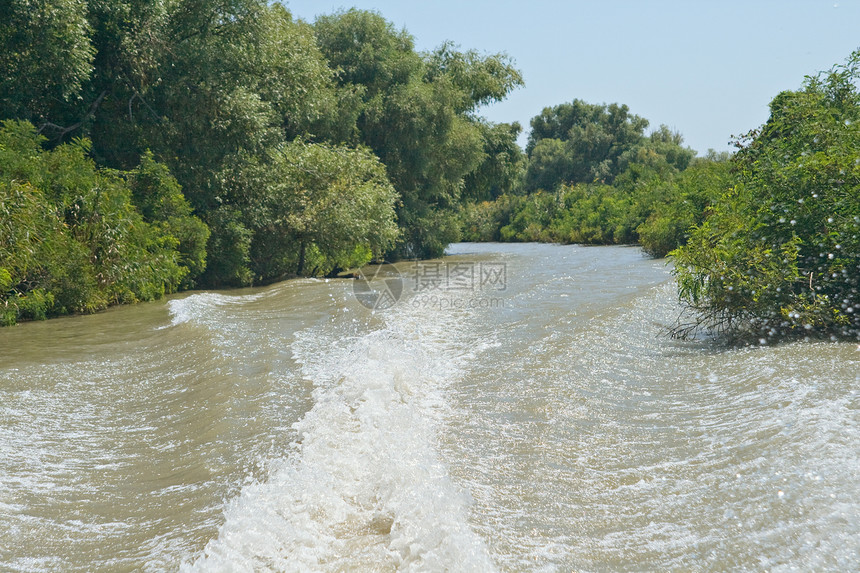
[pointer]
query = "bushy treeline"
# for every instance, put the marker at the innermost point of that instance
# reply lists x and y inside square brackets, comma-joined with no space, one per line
[71,237]
[658,214]
[224,143]
[779,254]
[592,175]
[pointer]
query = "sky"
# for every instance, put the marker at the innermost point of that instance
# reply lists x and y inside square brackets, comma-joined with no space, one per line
[705,68]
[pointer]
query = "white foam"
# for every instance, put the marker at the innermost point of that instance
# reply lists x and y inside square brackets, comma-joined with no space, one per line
[364,487]
[200,306]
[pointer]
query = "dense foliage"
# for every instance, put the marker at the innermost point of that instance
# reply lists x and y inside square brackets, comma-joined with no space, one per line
[313,209]
[593,176]
[225,143]
[579,142]
[71,239]
[657,213]
[417,113]
[780,254]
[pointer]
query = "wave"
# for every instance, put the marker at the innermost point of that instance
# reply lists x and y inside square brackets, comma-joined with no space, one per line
[363,486]
[199,306]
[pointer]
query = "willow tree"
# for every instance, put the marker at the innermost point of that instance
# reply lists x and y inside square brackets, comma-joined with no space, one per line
[317,209]
[417,112]
[71,239]
[46,61]
[579,142]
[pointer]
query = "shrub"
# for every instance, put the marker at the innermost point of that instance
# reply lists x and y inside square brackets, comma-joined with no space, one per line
[780,254]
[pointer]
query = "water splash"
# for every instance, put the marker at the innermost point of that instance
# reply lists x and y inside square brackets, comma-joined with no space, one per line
[363,487]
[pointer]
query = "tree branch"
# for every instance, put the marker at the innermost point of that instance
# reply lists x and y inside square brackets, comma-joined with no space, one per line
[137,95]
[62,131]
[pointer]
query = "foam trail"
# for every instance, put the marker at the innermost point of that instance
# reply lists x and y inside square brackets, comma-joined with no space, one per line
[364,488]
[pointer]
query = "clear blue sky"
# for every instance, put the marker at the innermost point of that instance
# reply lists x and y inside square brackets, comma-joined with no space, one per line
[706,68]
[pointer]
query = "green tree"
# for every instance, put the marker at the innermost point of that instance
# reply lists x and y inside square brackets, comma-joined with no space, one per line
[70,237]
[46,59]
[237,78]
[549,165]
[317,209]
[366,51]
[159,199]
[501,171]
[682,203]
[597,179]
[416,113]
[484,221]
[780,254]
[593,138]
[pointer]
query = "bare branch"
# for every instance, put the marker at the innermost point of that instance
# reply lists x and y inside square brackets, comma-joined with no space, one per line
[62,131]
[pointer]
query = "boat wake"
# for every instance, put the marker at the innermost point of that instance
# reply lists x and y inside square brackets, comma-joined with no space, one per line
[363,487]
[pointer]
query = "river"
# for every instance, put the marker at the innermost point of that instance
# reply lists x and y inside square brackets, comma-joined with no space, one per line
[506,408]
